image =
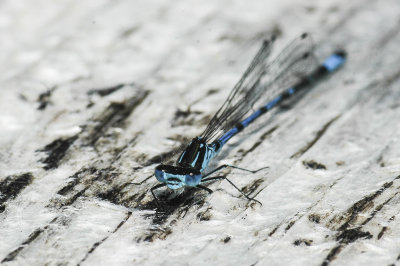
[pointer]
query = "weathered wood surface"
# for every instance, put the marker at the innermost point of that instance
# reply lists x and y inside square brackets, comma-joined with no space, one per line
[93,91]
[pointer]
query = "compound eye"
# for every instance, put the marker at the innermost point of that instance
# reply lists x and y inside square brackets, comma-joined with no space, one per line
[192,179]
[160,175]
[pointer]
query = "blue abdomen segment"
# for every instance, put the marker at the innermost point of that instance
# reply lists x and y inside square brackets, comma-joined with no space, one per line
[252,117]
[224,139]
[334,61]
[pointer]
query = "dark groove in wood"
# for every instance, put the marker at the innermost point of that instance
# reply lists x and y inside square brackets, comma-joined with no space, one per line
[11,186]
[348,233]
[319,134]
[106,91]
[56,151]
[260,140]
[34,235]
[97,244]
[113,116]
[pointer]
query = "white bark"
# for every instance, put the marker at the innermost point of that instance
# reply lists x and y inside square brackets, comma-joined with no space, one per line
[89,98]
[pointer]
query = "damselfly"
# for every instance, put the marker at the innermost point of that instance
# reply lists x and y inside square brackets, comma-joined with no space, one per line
[264,84]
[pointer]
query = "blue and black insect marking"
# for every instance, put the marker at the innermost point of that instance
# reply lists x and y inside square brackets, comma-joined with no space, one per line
[265,84]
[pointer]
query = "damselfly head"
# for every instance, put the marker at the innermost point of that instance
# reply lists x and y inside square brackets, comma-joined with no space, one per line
[176,176]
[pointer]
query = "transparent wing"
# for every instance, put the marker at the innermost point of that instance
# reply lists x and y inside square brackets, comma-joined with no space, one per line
[262,82]
[237,96]
[294,63]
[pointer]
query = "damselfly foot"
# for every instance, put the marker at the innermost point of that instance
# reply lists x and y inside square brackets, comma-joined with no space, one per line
[205,180]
